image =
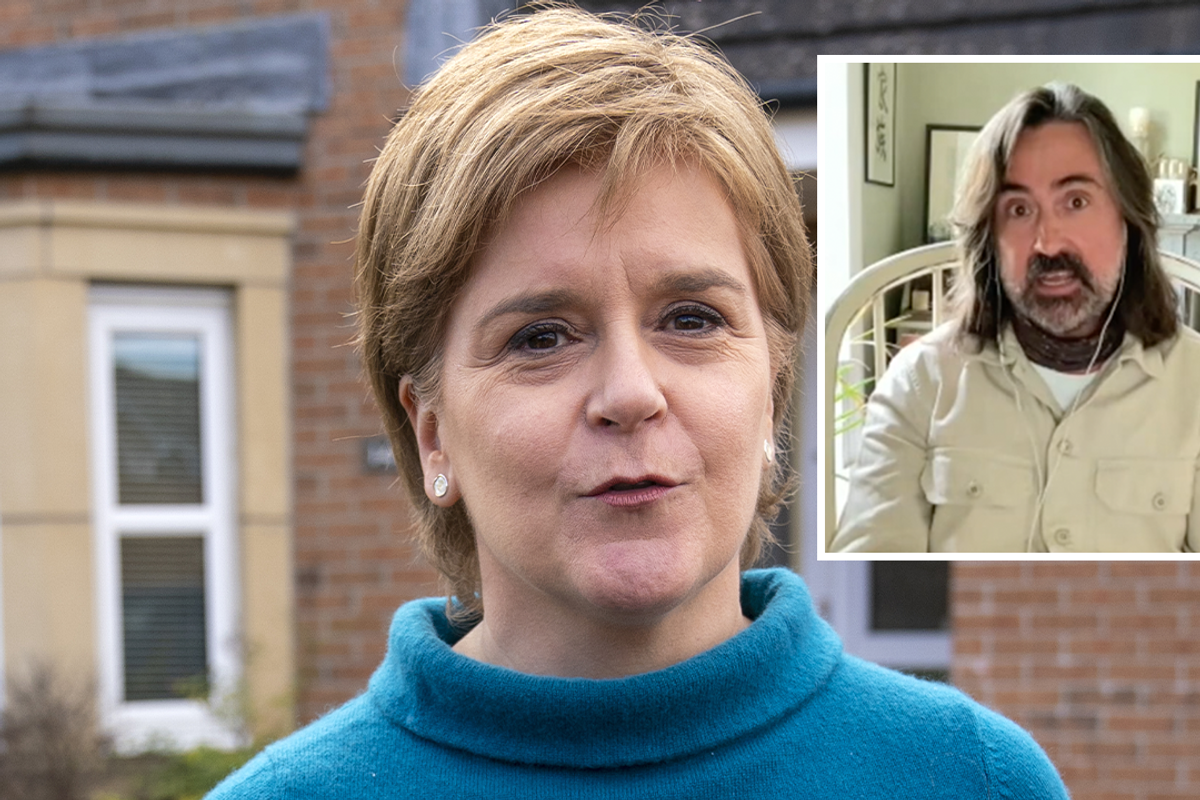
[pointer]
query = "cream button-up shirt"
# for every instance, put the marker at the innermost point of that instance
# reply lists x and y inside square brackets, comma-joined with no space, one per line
[970,452]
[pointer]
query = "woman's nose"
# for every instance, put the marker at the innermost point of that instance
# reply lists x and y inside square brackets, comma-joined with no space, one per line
[626,391]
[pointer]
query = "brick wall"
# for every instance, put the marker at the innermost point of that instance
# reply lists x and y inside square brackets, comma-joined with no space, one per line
[353,565]
[1099,661]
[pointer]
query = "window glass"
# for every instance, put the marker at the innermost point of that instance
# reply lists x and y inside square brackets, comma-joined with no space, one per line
[157,380]
[162,588]
[910,596]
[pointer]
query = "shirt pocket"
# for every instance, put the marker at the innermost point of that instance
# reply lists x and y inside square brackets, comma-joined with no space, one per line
[1140,486]
[953,477]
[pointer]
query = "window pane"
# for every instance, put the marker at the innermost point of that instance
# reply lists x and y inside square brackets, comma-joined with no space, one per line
[158,418]
[910,595]
[162,585]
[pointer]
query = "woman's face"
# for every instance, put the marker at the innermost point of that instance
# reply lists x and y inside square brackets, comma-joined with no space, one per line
[606,398]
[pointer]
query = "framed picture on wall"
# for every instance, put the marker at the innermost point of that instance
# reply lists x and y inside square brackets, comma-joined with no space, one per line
[881,124]
[1196,133]
[946,148]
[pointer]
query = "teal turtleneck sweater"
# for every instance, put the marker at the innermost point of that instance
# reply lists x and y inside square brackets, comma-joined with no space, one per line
[778,712]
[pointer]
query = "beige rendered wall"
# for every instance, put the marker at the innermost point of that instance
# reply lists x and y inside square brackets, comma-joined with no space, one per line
[44,490]
[969,94]
[50,253]
[265,503]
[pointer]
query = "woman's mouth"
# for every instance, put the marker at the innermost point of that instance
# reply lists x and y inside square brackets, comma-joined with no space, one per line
[632,493]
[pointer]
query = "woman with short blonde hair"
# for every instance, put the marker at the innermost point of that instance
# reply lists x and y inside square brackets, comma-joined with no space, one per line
[519,103]
[582,273]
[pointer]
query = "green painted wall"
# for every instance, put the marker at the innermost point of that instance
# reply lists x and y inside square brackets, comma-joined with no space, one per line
[968,94]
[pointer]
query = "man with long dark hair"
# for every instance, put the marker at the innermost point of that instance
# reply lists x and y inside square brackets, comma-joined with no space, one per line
[1057,411]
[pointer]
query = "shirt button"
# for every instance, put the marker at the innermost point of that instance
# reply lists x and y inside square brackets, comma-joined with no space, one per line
[974,489]
[1062,536]
[1065,447]
[1160,501]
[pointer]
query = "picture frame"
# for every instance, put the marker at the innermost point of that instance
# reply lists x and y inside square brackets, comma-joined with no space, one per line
[1170,195]
[1196,131]
[880,123]
[946,148]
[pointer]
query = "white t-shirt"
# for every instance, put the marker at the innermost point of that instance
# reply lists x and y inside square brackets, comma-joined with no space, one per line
[1065,386]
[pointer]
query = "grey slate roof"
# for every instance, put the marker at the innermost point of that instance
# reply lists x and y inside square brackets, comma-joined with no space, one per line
[229,96]
[775,43]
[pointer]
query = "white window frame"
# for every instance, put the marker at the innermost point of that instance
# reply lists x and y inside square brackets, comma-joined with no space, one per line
[897,649]
[842,593]
[142,724]
[3,674]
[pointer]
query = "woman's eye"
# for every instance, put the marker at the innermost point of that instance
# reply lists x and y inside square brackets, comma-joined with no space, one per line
[542,341]
[1078,202]
[1018,210]
[541,336]
[690,322]
[693,319]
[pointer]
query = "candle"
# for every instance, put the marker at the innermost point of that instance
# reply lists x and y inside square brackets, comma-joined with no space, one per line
[1139,121]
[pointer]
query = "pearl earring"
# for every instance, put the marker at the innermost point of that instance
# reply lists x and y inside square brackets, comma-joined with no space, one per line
[768,450]
[440,485]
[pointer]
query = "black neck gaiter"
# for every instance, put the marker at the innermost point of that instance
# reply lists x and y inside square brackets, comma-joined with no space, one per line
[1067,355]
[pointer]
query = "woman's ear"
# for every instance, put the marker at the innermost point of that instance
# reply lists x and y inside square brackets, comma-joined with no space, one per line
[769,435]
[440,486]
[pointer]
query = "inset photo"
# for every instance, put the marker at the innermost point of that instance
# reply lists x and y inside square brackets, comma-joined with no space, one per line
[1010,356]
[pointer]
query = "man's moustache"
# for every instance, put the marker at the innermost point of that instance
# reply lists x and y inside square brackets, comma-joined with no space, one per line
[1040,265]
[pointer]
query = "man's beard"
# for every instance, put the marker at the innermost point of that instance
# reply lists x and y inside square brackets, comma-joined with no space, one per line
[1076,314]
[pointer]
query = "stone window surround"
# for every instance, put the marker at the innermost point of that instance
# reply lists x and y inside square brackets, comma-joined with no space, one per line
[51,252]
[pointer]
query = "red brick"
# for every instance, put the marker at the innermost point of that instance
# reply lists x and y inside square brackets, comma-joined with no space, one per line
[150,20]
[270,7]
[1059,672]
[1139,722]
[1100,647]
[1125,750]
[1025,697]
[1056,572]
[968,622]
[1141,775]
[1175,596]
[1087,595]
[1144,569]
[1024,645]
[1073,775]
[135,190]
[1143,622]
[82,28]
[1083,619]
[1024,598]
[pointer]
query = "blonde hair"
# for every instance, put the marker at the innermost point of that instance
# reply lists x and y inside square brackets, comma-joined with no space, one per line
[529,96]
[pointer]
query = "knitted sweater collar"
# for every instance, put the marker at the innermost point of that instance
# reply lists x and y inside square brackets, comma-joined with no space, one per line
[744,684]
